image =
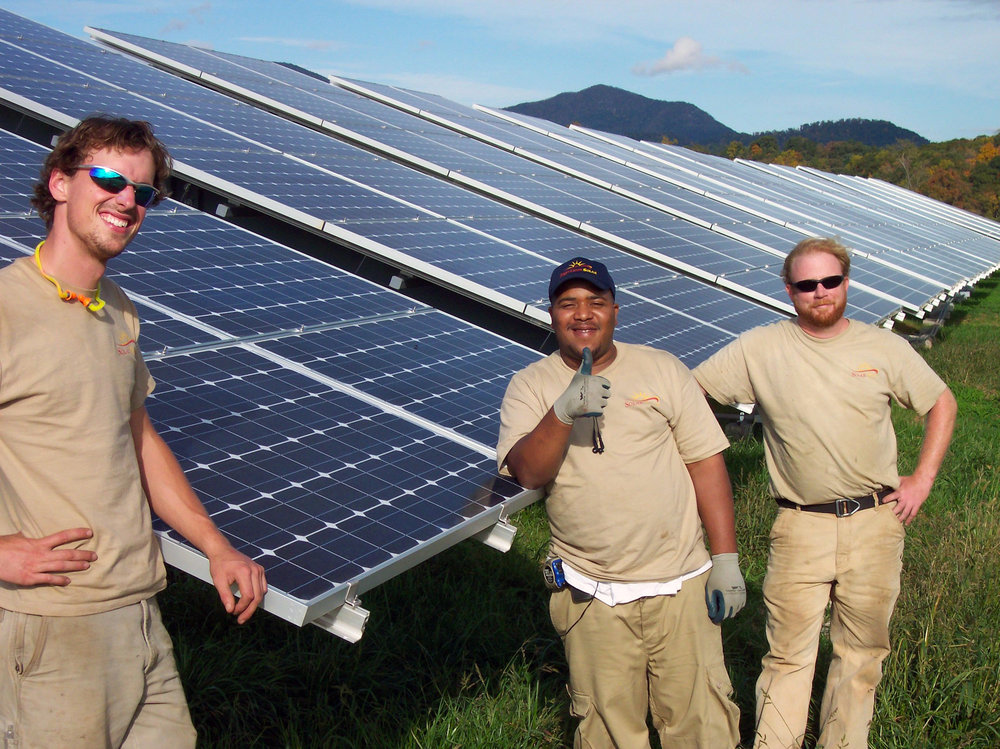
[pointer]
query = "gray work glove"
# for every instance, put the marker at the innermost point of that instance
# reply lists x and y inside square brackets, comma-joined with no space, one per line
[725,592]
[586,395]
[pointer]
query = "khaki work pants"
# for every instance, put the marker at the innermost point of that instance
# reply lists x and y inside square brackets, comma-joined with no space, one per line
[103,680]
[659,655]
[853,563]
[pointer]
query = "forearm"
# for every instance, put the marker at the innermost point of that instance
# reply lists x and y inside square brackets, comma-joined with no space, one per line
[534,460]
[938,428]
[169,493]
[714,495]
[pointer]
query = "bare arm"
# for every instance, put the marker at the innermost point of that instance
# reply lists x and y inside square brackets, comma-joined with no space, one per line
[725,589]
[174,501]
[914,489]
[714,494]
[534,460]
[39,561]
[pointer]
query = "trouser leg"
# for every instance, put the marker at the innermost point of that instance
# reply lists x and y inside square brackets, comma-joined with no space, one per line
[607,672]
[863,599]
[689,687]
[78,681]
[797,587]
[163,718]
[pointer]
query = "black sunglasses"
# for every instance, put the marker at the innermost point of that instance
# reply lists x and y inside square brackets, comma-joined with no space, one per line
[112,181]
[810,284]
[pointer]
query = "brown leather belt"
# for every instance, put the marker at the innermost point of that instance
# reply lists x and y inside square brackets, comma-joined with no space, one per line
[842,508]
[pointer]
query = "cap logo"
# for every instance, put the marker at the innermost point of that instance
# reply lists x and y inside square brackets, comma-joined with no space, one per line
[577,267]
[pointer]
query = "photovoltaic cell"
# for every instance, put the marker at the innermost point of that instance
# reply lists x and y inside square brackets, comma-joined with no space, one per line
[316,485]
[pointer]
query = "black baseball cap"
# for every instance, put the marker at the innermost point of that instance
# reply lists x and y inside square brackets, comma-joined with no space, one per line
[581,269]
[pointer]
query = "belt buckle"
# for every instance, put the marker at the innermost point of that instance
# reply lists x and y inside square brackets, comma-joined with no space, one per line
[843,508]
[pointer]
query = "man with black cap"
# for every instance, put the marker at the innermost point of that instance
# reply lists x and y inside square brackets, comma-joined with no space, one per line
[631,457]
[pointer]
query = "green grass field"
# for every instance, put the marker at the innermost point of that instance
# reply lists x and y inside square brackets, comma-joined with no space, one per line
[459,652]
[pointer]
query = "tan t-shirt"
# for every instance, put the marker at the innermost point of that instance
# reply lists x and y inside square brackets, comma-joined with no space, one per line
[628,514]
[69,380]
[825,403]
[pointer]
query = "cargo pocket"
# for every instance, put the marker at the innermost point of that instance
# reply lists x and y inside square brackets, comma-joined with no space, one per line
[720,694]
[581,706]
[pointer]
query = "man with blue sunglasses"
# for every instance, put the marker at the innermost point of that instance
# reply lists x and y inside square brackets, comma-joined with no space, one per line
[88,662]
[824,386]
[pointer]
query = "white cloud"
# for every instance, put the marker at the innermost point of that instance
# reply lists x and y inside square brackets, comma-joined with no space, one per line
[686,54]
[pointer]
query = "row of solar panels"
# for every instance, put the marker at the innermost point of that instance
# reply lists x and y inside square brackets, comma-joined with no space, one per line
[340,432]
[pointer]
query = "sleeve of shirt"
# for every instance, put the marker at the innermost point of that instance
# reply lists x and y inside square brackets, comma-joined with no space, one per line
[697,433]
[520,412]
[144,383]
[725,376]
[911,380]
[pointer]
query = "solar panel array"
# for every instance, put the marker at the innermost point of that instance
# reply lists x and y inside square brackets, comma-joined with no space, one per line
[339,432]
[466,162]
[882,285]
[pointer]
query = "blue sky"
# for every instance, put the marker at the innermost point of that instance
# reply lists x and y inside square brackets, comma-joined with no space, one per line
[754,65]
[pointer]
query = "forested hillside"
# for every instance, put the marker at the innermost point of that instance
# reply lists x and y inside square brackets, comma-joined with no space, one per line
[964,173]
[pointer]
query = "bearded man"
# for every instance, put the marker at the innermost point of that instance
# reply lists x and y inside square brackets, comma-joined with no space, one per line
[824,385]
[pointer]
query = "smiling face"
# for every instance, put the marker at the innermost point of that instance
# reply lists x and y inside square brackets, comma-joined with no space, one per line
[820,312]
[584,317]
[98,223]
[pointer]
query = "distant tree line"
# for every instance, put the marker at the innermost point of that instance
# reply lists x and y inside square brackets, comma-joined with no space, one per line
[964,172]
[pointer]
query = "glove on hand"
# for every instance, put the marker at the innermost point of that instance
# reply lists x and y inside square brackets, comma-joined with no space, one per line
[586,395]
[725,592]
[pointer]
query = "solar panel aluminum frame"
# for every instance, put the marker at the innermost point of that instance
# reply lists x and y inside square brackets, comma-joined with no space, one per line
[339,611]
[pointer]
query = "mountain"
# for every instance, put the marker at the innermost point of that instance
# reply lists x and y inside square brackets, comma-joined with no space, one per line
[615,110]
[878,133]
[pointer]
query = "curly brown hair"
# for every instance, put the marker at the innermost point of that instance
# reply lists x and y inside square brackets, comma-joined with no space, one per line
[817,244]
[93,134]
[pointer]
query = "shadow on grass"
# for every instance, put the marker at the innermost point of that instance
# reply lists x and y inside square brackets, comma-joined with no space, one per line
[444,632]
[453,625]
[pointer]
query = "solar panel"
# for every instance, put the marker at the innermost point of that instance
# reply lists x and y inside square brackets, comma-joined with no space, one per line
[876,232]
[898,238]
[899,251]
[337,468]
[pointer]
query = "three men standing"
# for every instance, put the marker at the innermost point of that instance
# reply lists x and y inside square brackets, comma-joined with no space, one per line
[824,386]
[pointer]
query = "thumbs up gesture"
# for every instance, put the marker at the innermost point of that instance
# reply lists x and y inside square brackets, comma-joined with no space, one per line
[586,395]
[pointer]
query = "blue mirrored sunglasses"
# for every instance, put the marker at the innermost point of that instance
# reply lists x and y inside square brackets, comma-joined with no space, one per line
[112,181]
[830,282]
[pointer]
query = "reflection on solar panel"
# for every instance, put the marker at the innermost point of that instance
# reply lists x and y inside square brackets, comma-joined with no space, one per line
[337,432]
